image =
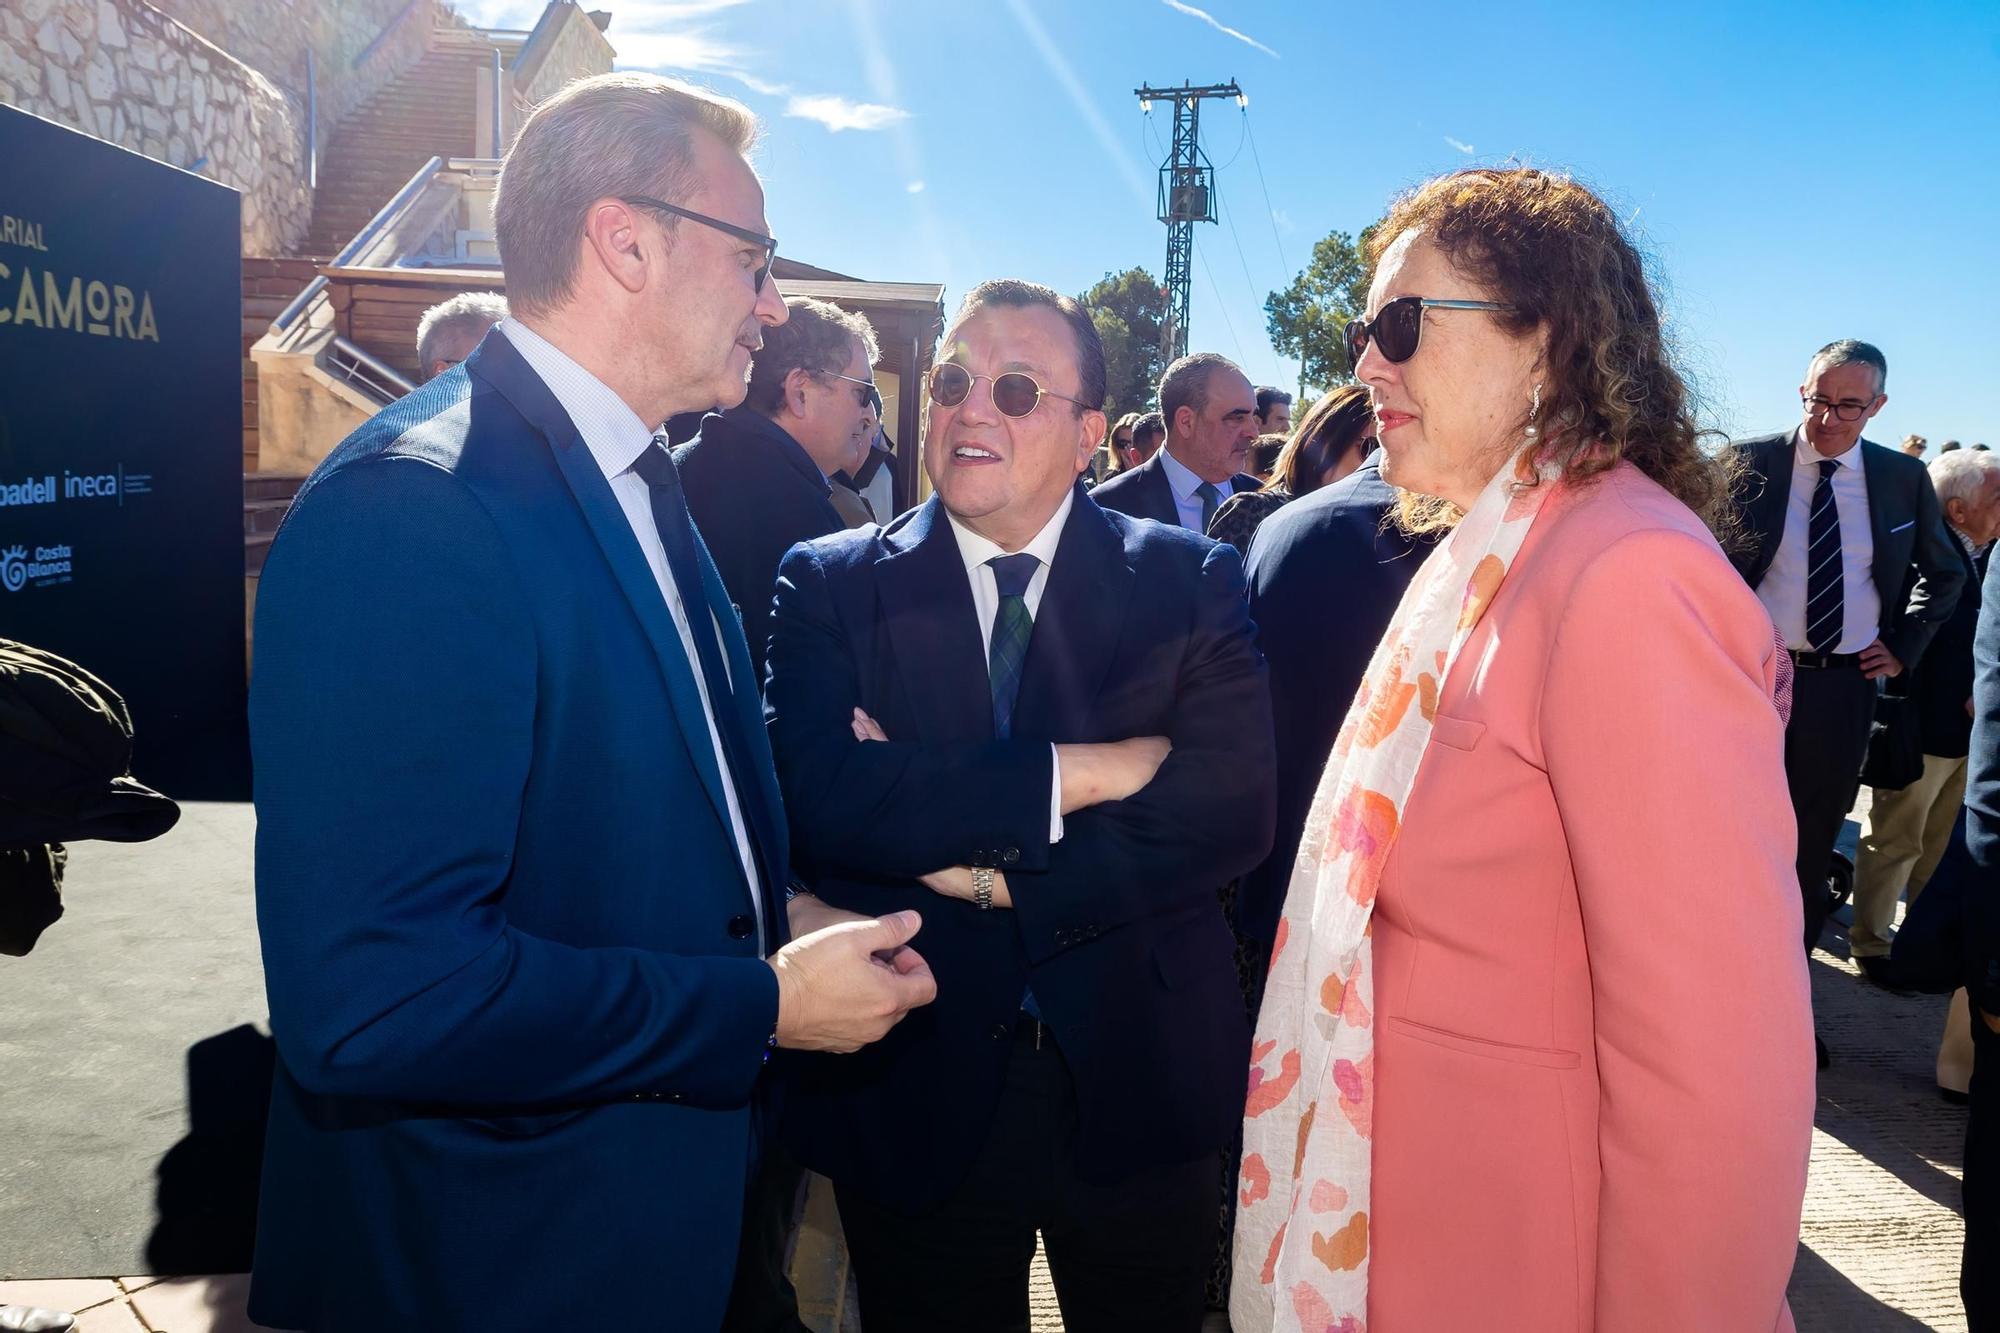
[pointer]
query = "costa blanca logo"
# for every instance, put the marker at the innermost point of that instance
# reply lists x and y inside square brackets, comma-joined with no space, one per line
[49,565]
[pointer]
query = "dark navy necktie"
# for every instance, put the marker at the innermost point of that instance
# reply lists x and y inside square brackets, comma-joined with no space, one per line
[670,516]
[1012,627]
[1210,496]
[1826,595]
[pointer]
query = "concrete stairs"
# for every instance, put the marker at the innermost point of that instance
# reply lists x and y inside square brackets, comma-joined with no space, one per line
[431,110]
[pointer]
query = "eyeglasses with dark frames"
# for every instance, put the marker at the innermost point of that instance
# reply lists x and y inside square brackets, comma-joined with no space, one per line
[769,243]
[1399,326]
[865,391]
[1845,410]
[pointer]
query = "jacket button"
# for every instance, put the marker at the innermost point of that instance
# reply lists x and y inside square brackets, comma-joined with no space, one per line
[741,927]
[1011,855]
[999,1031]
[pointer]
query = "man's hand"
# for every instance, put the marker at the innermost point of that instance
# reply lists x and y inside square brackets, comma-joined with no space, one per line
[1109,771]
[1091,774]
[847,985]
[1877,662]
[956,882]
[808,913]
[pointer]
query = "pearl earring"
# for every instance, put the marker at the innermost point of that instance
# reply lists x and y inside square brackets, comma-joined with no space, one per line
[1534,410]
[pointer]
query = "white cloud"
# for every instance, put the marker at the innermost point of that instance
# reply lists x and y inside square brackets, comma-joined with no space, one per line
[1227,31]
[1284,220]
[914,187]
[690,49]
[839,113]
[1460,145]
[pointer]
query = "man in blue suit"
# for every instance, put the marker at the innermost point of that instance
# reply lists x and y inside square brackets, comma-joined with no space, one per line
[1044,725]
[521,862]
[1326,572]
[1210,413]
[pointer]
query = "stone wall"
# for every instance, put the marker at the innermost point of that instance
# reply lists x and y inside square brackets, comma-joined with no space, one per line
[574,50]
[126,73]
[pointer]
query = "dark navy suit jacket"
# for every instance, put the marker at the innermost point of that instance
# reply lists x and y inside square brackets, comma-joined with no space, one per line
[1147,492]
[1141,631]
[1917,568]
[1326,573]
[755,493]
[507,938]
[1981,928]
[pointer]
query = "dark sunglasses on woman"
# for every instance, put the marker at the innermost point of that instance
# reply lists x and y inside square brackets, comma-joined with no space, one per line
[1399,325]
[1015,393]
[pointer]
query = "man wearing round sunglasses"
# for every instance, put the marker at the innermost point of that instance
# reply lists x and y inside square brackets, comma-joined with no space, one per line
[759,476]
[970,710]
[1846,547]
[1210,412]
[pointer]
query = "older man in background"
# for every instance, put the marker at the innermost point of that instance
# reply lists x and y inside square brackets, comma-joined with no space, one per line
[449,330]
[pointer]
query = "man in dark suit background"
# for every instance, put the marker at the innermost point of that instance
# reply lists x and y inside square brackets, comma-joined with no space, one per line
[968,708]
[1326,572]
[1210,413]
[521,862]
[1846,548]
[1979,1278]
[759,476]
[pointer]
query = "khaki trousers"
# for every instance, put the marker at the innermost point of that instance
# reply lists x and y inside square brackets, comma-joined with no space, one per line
[1905,835]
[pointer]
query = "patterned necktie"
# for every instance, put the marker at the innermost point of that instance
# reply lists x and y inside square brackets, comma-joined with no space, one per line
[1012,625]
[1211,499]
[670,516]
[1825,595]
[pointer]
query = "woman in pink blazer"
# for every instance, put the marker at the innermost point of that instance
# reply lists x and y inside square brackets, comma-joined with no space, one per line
[1560,1113]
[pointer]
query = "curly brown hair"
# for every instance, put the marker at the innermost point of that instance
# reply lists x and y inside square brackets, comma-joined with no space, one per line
[1554,252]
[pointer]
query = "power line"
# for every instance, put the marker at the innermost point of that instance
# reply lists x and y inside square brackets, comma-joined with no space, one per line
[1220,304]
[1258,158]
[1187,196]
[1248,281]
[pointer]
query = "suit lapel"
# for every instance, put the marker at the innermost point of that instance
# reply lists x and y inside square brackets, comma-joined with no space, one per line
[1077,626]
[1774,463]
[502,366]
[927,604]
[1165,507]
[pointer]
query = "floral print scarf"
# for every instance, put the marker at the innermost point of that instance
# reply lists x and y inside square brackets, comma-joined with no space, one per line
[1302,1243]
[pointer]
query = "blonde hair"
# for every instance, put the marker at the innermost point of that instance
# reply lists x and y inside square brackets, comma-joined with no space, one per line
[610,135]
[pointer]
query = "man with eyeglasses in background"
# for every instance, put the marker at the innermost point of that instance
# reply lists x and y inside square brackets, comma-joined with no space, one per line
[969,710]
[759,476]
[1845,544]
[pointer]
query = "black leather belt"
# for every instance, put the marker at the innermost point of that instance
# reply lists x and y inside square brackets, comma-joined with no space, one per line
[1824,661]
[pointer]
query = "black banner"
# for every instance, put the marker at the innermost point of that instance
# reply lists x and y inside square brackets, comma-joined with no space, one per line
[121,482]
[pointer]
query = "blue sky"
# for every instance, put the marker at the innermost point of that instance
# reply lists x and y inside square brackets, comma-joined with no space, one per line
[1798,172]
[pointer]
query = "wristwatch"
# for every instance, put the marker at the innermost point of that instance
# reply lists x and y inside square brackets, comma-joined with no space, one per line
[982,888]
[797,889]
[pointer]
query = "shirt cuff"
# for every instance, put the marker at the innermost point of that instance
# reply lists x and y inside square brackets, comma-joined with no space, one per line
[1055,796]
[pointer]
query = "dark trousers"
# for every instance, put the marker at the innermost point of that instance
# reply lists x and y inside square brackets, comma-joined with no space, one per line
[1123,1257]
[1825,743]
[761,1299]
[1979,1277]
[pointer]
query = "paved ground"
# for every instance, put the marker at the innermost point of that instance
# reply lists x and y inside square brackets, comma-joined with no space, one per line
[1879,1246]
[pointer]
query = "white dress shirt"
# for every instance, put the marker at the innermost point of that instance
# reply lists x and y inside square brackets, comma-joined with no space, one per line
[1184,484]
[616,438]
[976,550]
[1783,589]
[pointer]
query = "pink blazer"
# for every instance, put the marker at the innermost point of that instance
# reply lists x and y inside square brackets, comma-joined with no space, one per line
[1594,1063]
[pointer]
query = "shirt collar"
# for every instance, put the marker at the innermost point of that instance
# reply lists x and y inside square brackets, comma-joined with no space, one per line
[976,550]
[1805,455]
[747,418]
[1179,477]
[611,430]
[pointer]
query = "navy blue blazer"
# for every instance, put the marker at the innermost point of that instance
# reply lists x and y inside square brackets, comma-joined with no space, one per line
[507,938]
[1326,572]
[1146,491]
[1141,631]
[755,493]
[1918,569]
[1981,922]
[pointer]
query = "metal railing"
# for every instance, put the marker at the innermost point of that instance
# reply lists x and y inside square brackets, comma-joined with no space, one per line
[312,123]
[499,87]
[359,243]
[354,366]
